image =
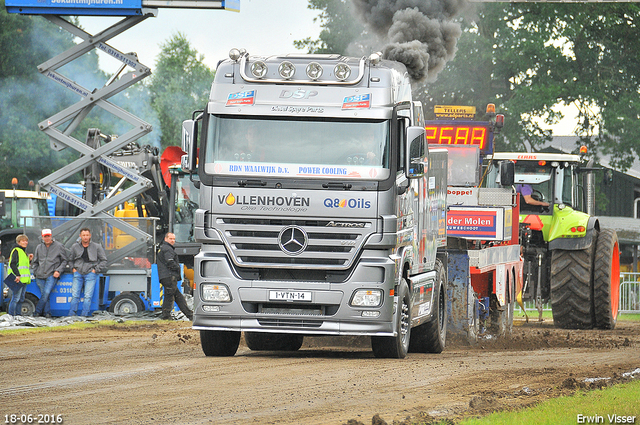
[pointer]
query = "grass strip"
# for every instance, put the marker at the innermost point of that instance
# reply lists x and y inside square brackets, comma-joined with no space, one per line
[616,404]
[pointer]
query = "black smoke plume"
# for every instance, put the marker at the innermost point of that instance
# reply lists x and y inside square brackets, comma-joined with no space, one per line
[420,33]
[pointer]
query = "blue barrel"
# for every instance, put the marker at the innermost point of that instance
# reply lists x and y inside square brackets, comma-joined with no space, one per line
[60,297]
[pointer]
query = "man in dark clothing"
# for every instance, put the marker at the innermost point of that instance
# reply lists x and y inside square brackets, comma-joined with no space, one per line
[169,273]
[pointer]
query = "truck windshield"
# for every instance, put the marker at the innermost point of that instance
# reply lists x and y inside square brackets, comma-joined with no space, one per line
[297,147]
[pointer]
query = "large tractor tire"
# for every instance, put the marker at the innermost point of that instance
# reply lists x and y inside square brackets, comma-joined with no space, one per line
[396,347]
[606,280]
[431,337]
[571,289]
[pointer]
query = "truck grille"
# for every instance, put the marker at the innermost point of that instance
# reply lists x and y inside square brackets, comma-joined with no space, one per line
[273,243]
[290,323]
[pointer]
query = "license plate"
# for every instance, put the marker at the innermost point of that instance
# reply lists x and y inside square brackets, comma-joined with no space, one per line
[290,295]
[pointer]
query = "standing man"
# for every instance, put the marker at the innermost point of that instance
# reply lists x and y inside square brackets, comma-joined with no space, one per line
[87,259]
[169,273]
[18,275]
[49,261]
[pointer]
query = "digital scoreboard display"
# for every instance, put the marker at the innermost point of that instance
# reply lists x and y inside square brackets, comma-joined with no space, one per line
[461,134]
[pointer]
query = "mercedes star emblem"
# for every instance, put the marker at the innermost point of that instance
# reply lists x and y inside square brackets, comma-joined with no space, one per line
[292,240]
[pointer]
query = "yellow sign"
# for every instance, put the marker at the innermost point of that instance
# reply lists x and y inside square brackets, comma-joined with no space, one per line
[441,111]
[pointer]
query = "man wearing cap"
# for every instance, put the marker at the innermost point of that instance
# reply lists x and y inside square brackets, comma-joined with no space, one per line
[49,261]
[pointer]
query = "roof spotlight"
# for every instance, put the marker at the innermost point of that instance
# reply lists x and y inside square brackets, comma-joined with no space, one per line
[314,71]
[259,69]
[234,54]
[342,71]
[375,58]
[286,70]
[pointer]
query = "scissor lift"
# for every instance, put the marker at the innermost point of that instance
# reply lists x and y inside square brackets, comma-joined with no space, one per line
[60,126]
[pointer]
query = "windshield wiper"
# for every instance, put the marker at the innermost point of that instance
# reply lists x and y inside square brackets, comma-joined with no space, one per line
[337,186]
[252,183]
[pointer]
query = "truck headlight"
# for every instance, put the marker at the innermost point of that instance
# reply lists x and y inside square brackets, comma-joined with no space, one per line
[314,71]
[259,69]
[215,292]
[367,298]
[287,70]
[342,71]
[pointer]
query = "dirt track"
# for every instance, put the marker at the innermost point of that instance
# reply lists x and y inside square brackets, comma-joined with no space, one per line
[156,373]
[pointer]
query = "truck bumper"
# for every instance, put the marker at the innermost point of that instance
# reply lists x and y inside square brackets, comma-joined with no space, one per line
[326,309]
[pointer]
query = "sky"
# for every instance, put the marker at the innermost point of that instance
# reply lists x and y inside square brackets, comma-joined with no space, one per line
[262,27]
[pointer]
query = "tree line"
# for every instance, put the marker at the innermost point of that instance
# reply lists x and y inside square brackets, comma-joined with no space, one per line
[530,59]
[179,84]
[527,58]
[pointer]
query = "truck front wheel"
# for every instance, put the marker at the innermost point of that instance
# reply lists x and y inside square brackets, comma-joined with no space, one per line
[219,343]
[571,296]
[397,346]
[431,336]
[606,280]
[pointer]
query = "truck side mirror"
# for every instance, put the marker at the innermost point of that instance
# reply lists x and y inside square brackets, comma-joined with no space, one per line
[507,173]
[189,161]
[416,151]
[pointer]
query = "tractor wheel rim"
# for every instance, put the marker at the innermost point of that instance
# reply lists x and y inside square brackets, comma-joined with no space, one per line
[615,281]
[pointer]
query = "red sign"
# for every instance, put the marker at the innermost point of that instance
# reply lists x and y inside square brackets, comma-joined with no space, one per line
[467,223]
[451,133]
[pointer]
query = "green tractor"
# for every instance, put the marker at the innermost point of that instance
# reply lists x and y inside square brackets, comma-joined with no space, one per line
[17,209]
[569,259]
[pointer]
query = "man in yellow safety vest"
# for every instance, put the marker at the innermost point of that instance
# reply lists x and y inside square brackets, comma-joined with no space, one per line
[19,275]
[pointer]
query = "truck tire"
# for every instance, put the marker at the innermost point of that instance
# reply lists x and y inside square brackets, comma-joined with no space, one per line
[396,347]
[127,303]
[431,337]
[606,280]
[261,341]
[502,317]
[29,305]
[219,343]
[473,328]
[571,289]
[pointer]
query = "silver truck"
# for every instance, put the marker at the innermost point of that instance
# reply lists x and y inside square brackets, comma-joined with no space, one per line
[322,211]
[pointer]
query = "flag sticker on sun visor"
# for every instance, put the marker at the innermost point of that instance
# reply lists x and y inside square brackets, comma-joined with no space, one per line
[242,98]
[357,101]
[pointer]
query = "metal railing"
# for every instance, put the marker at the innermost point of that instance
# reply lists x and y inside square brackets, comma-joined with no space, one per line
[629,292]
[122,238]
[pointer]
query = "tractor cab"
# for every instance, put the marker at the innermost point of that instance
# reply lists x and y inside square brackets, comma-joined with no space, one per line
[17,211]
[548,188]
